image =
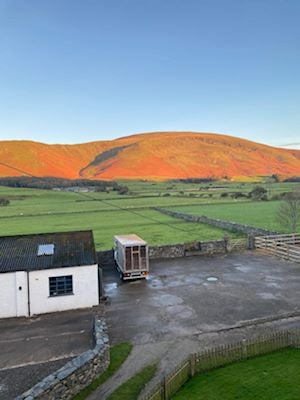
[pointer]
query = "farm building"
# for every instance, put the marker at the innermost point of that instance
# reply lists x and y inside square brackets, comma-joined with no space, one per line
[47,273]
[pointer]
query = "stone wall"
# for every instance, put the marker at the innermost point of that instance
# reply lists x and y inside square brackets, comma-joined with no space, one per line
[219,223]
[166,251]
[78,373]
[210,247]
[188,249]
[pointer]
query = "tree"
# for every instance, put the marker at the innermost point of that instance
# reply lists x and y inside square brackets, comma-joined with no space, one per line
[258,193]
[288,214]
[123,190]
[4,202]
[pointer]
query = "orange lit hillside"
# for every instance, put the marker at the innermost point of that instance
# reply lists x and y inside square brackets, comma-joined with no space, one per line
[160,155]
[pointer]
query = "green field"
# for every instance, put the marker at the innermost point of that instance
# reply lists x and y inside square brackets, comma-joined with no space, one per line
[256,213]
[274,376]
[108,214]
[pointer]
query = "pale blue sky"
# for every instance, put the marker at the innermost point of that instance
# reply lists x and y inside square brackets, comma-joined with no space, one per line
[73,71]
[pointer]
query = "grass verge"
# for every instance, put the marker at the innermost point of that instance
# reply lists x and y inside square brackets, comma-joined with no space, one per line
[274,376]
[118,354]
[131,388]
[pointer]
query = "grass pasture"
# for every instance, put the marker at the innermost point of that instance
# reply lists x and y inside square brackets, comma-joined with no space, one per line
[51,211]
[256,213]
[108,214]
[274,376]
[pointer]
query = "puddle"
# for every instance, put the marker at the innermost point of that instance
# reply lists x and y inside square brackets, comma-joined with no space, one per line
[109,287]
[3,388]
[267,296]
[243,268]
[212,279]
[137,282]
[166,300]
[180,311]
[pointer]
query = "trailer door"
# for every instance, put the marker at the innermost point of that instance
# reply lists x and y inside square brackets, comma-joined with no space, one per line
[128,262]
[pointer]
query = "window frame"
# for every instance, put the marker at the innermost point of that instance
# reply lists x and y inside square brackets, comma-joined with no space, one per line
[62,286]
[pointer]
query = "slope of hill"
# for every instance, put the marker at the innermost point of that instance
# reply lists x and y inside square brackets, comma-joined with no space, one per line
[159,155]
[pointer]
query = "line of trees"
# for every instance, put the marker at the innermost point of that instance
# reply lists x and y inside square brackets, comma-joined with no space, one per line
[53,182]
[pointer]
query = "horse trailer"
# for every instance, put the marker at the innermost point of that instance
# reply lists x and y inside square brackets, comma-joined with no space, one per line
[131,256]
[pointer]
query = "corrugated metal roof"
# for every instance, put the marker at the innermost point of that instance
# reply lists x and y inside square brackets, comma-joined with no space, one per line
[20,253]
[130,240]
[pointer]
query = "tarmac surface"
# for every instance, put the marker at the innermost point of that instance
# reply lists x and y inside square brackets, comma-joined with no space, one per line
[186,305]
[31,349]
[190,304]
[194,295]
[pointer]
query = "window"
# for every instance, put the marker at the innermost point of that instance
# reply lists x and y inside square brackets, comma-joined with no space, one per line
[60,285]
[45,250]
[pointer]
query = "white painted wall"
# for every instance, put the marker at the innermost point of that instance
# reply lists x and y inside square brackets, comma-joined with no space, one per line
[13,294]
[85,289]
[21,293]
[8,307]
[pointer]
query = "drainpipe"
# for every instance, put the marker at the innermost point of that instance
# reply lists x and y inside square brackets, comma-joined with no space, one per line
[28,293]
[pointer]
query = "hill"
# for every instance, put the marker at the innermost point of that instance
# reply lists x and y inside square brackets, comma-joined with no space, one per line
[158,156]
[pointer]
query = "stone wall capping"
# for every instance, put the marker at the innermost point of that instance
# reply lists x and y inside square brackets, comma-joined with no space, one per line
[76,374]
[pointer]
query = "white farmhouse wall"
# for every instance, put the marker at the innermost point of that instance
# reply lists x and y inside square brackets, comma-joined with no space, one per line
[85,289]
[13,294]
[8,295]
[21,293]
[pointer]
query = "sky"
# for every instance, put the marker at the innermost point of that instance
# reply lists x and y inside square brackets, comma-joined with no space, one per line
[73,71]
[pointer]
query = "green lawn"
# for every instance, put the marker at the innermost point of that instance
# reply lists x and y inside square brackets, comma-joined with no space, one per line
[118,354]
[271,377]
[131,389]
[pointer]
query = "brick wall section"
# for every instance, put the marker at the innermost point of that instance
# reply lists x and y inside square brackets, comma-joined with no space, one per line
[78,373]
[219,223]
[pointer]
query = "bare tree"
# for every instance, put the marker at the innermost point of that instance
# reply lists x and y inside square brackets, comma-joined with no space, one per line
[288,214]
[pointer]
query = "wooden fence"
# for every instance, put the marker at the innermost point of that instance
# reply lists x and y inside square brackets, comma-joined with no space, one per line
[283,246]
[220,356]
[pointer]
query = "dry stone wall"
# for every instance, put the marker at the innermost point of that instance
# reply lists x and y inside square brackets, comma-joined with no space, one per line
[188,249]
[219,223]
[78,373]
[210,247]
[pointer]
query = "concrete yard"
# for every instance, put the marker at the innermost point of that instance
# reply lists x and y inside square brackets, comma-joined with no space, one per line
[32,348]
[184,306]
[179,300]
[179,310]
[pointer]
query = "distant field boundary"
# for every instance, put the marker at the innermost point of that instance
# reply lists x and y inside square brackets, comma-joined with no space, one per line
[220,356]
[219,223]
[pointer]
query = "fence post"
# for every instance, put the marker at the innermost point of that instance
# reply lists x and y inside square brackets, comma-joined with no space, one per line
[165,384]
[192,364]
[244,348]
[251,242]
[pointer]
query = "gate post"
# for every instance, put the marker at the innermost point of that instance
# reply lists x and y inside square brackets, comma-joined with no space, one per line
[251,242]
[192,364]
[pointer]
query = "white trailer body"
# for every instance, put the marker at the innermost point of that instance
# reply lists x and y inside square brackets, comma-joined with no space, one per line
[131,256]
